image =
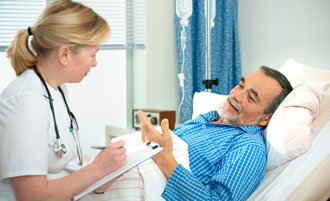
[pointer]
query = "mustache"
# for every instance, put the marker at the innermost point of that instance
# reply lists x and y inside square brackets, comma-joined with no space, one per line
[235,104]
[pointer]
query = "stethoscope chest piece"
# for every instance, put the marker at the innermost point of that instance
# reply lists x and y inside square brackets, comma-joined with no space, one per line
[59,149]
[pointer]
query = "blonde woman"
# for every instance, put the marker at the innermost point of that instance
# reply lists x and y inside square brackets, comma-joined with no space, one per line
[38,141]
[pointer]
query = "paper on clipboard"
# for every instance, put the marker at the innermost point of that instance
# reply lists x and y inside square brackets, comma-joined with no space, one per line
[134,157]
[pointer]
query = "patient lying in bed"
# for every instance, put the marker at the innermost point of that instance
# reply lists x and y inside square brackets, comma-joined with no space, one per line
[227,154]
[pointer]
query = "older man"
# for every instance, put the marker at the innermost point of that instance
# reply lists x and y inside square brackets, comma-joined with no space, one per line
[226,150]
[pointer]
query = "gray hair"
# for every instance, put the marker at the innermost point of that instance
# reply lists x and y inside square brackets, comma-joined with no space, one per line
[285,84]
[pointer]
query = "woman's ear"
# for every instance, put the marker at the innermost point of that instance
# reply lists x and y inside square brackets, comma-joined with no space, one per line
[265,120]
[63,55]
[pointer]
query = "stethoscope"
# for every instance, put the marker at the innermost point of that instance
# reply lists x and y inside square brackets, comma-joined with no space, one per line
[59,147]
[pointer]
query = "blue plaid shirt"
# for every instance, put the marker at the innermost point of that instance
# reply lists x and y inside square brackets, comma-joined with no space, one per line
[227,162]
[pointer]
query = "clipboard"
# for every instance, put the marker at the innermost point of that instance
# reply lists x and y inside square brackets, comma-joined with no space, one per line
[134,157]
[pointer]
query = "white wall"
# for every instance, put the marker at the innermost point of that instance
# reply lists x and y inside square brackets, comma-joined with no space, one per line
[155,81]
[161,55]
[100,99]
[272,31]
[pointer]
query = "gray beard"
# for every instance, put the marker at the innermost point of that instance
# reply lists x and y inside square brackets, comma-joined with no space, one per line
[228,118]
[235,120]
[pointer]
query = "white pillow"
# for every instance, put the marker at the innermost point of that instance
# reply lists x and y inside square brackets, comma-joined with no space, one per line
[297,73]
[290,130]
[204,102]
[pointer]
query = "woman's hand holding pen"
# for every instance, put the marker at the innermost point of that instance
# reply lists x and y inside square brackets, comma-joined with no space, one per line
[111,158]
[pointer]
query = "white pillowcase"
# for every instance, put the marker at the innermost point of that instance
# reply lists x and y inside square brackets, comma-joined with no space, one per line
[290,135]
[204,102]
[289,132]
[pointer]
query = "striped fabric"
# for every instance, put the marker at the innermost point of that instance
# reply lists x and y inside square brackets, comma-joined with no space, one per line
[145,182]
[227,162]
[130,187]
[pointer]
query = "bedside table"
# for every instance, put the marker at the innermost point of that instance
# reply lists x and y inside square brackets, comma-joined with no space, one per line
[112,132]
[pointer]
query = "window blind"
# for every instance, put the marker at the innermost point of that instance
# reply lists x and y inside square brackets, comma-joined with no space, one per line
[126,19]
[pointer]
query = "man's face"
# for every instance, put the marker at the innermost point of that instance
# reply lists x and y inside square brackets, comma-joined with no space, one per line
[248,100]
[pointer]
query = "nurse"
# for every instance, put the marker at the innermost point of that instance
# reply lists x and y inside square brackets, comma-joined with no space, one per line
[37,128]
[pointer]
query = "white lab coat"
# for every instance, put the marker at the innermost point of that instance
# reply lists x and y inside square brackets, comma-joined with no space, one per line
[27,133]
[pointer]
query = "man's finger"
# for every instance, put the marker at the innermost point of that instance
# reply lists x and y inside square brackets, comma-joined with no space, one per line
[144,127]
[145,123]
[143,118]
[165,129]
[164,125]
[144,137]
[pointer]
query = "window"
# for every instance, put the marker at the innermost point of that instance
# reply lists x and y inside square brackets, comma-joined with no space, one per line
[125,17]
[15,15]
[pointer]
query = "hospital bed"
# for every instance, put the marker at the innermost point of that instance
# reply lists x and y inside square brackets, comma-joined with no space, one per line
[303,176]
[306,176]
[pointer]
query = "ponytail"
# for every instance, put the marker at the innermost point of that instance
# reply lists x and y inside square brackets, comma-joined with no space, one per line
[18,51]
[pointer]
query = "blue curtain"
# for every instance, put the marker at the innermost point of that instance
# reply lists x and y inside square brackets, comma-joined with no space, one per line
[225,55]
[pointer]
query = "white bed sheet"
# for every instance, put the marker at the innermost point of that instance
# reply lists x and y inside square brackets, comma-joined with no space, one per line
[281,182]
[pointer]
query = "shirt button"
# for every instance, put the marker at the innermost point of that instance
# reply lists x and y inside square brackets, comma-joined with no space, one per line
[203,126]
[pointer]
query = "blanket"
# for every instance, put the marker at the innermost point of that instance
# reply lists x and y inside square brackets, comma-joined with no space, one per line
[144,182]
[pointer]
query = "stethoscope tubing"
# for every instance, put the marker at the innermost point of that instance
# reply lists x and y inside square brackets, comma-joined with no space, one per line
[60,148]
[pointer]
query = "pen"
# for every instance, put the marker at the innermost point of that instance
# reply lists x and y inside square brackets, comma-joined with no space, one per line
[98,147]
[147,143]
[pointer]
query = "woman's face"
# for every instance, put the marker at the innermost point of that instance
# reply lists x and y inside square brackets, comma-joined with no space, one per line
[81,62]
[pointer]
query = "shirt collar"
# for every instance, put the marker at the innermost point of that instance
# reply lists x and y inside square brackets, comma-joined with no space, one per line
[213,115]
